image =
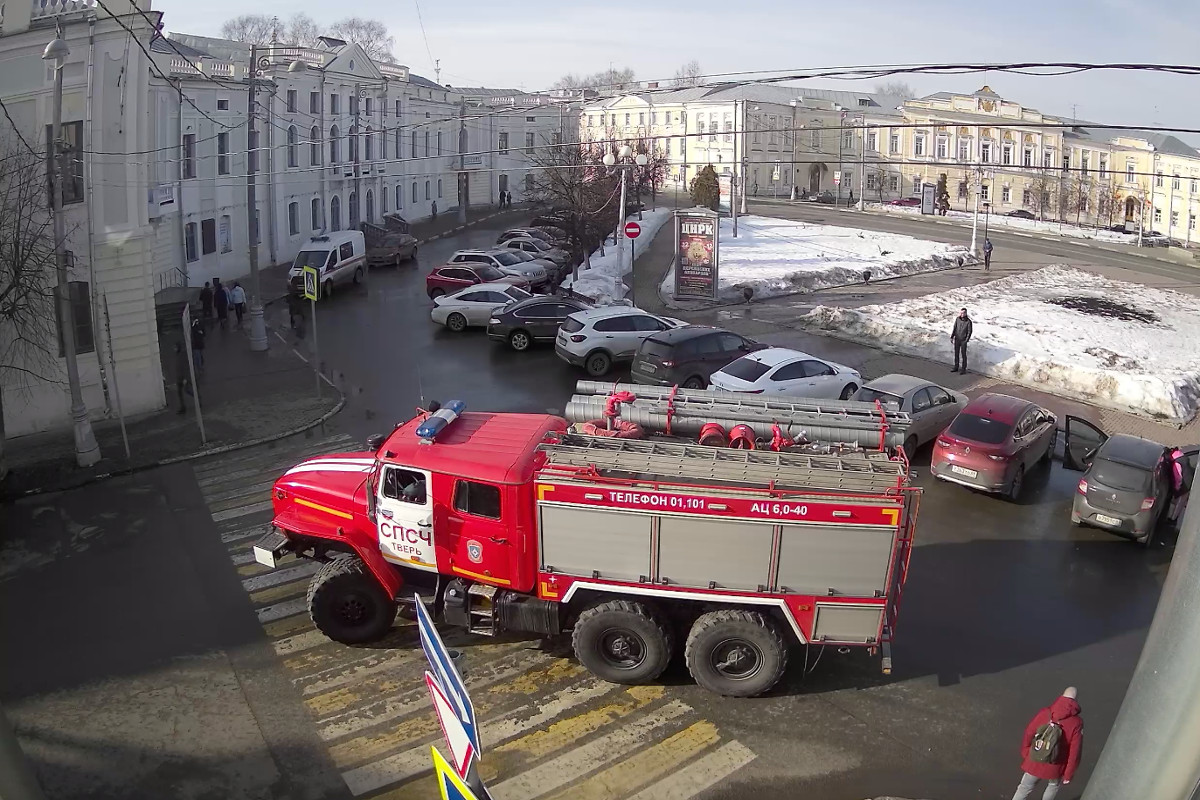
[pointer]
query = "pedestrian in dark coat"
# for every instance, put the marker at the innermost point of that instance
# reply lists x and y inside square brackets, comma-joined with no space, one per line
[1060,767]
[295,305]
[198,345]
[960,334]
[206,302]
[221,302]
[987,255]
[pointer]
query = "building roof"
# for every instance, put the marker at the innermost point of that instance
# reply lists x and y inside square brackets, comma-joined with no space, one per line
[770,93]
[419,80]
[496,448]
[161,44]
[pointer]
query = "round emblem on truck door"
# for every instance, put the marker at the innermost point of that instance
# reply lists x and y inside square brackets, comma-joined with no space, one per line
[474,551]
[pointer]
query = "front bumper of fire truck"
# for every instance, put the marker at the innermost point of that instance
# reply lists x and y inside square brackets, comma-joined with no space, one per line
[271,547]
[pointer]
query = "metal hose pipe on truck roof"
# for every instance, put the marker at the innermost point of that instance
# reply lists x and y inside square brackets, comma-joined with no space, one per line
[652,415]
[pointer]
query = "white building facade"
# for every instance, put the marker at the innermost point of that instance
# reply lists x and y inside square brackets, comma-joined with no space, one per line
[109,233]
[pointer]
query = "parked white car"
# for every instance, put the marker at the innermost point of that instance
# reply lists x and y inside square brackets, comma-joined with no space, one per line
[597,338]
[510,262]
[779,371]
[473,306]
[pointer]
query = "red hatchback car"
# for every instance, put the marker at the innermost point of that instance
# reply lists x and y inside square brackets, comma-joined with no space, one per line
[449,278]
[993,442]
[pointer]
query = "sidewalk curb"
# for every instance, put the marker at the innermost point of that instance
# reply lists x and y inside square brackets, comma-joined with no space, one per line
[212,451]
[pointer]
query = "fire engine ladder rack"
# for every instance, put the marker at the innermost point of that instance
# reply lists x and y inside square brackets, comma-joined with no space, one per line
[869,473]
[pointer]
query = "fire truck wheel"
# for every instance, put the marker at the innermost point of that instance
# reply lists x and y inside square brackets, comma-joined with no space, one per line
[598,364]
[622,642]
[347,604]
[735,653]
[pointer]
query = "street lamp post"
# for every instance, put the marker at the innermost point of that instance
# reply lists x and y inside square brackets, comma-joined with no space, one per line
[258,326]
[87,451]
[795,135]
[624,161]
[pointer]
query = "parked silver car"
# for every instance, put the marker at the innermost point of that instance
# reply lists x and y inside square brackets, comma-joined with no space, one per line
[931,407]
[536,273]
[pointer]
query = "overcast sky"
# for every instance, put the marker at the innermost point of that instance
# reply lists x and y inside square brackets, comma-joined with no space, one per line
[529,43]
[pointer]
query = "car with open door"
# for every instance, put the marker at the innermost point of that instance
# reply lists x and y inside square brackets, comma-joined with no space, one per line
[1126,483]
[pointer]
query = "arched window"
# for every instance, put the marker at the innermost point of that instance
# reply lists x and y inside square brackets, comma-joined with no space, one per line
[414,191]
[315,214]
[314,146]
[426,142]
[399,197]
[353,155]
[439,187]
[353,210]
[335,214]
[333,145]
[367,148]
[370,206]
[426,190]
[292,148]
[383,200]
[399,144]
[383,144]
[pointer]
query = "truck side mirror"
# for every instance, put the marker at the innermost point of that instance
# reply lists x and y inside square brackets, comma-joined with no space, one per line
[375,441]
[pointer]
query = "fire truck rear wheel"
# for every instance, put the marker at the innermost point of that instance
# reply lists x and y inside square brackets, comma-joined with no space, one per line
[622,642]
[735,653]
[347,604]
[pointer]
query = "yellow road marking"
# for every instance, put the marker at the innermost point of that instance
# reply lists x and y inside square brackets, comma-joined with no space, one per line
[365,748]
[645,767]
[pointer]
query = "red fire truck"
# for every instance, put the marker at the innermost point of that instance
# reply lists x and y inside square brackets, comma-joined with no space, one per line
[508,522]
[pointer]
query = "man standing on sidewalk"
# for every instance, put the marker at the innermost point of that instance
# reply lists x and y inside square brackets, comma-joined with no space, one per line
[987,255]
[960,334]
[237,296]
[1051,747]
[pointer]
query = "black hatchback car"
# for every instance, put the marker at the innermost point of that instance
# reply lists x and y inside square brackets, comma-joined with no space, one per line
[687,356]
[535,319]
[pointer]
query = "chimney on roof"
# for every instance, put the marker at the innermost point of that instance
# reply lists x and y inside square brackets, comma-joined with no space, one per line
[652,85]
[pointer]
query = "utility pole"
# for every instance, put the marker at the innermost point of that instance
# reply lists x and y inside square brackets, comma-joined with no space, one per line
[258,327]
[87,451]
[356,141]
[862,168]
[733,178]
[977,189]
[744,163]
[841,138]
[795,136]
[1151,751]
[462,159]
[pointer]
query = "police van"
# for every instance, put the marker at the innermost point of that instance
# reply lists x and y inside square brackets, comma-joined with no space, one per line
[339,258]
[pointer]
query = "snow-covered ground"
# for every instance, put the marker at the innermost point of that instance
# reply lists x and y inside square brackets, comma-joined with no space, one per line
[1016,223]
[779,256]
[1066,331]
[603,282]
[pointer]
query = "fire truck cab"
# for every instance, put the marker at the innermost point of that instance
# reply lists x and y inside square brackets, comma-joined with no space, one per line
[507,522]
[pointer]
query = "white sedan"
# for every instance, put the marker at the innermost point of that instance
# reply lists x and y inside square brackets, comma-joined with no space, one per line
[779,371]
[474,305]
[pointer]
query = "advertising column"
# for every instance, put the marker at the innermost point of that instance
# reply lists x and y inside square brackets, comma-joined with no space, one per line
[696,254]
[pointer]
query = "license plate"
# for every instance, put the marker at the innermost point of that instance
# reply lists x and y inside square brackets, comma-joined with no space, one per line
[970,473]
[647,367]
[1107,520]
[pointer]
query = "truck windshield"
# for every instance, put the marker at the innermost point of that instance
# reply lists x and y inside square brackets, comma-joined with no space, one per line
[980,429]
[746,368]
[1119,476]
[310,258]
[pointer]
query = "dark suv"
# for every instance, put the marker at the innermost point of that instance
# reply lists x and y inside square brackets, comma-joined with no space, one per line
[687,356]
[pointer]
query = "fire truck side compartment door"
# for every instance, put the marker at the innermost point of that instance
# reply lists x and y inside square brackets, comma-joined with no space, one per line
[852,560]
[578,541]
[733,554]
[405,518]
[837,622]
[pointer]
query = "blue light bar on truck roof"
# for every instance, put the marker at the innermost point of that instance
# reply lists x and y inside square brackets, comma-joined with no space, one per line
[438,420]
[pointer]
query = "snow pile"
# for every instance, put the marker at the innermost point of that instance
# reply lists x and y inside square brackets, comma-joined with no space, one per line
[1065,331]
[780,256]
[1016,223]
[603,282]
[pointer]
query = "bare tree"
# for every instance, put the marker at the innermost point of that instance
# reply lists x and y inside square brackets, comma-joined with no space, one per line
[1109,201]
[896,88]
[251,28]
[573,180]
[687,75]
[609,81]
[27,276]
[650,178]
[1042,190]
[369,34]
[879,174]
[301,30]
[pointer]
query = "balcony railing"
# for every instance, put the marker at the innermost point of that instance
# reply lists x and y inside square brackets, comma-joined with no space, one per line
[54,8]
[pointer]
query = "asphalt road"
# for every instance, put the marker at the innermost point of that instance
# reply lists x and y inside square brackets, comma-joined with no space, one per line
[1006,605]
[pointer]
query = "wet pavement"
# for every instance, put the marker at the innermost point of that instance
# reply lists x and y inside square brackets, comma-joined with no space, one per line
[1006,605]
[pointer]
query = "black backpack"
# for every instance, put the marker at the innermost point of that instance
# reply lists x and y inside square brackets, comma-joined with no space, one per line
[1047,743]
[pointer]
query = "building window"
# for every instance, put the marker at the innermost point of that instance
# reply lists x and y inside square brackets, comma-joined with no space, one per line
[916,184]
[225,233]
[383,194]
[1191,222]
[81,314]
[1103,166]
[189,242]
[502,144]
[1026,197]
[985,152]
[1028,157]
[353,210]
[367,146]
[870,180]
[700,128]
[333,105]
[626,120]
[1192,186]
[667,147]
[294,219]
[1084,163]
[1175,183]
[397,109]
[222,104]
[919,144]
[291,101]
[353,105]
[893,183]
[314,214]
[555,137]
[1066,162]
[962,190]
[333,145]
[1048,159]
[589,120]
[222,153]
[1158,180]
[814,139]
[293,157]
[439,143]
[352,141]
[314,147]
[847,140]
[414,144]
[873,141]
[426,190]
[1005,195]
[528,143]
[208,236]
[399,197]
[187,168]
[335,213]
[894,143]
[985,192]
[943,148]
[439,188]
[369,106]
[728,129]
[414,192]
[528,183]
[370,206]
[314,102]
[1158,215]
[1130,172]
[1174,218]
[1006,155]
[426,144]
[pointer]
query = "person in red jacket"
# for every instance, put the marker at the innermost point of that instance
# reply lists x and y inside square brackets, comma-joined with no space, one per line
[1051,747]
